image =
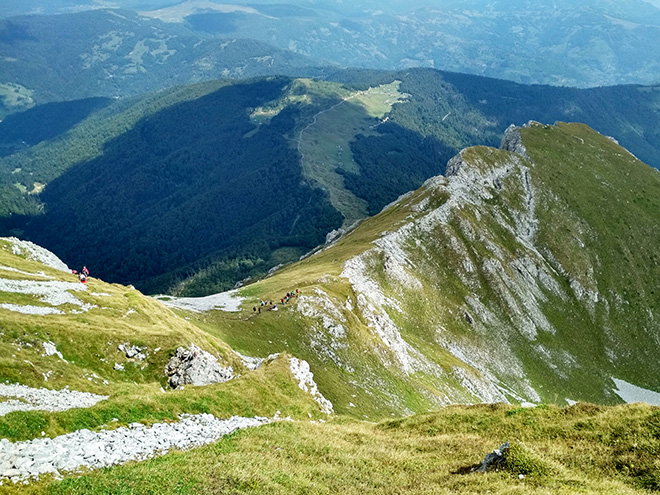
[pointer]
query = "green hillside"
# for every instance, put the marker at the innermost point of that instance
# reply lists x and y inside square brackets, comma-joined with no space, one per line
[304,157]
[517,278]
[581,449]
[85,325]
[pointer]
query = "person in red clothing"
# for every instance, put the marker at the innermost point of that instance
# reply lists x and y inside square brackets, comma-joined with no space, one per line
[85,271]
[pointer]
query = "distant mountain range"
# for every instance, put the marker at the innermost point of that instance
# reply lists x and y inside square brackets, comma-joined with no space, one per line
[193,189]
[110,53]
[568,43]
[114,53]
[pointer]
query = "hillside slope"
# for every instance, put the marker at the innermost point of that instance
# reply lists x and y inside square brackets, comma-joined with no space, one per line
[526,275]
[110,340]
[221,181]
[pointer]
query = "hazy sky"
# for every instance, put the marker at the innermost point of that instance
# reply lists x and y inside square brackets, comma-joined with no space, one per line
[17,7]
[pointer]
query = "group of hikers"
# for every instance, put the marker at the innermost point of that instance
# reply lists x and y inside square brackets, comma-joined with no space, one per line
[268,304]
[82,274]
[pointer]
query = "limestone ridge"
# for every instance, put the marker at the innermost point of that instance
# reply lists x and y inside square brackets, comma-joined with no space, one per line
[485,369]
[476,272]
[512,139]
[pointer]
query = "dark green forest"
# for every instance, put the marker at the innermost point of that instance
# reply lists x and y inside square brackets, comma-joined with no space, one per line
[25,129]
[394,162]
[191,181]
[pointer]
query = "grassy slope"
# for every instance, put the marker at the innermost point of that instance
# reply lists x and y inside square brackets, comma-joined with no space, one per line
[537,332]
[88,342]
[325,143]
[610,244]
[375,390]
[580,449]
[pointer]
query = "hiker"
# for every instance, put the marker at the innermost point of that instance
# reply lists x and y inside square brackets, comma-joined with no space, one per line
[82,278]
[85,271]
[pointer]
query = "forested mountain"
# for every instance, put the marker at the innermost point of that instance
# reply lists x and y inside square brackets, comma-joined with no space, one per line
[114,53]
[193,189]
[584,43]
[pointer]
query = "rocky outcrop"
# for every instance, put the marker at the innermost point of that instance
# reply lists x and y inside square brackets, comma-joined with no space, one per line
[196,367]
[454,165]
[33,252]
[303,374]
[493,459]
[132,351]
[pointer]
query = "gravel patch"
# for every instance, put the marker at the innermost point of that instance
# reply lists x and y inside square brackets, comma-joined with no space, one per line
[28,309]
[226,301]
[84,448]
[43,399]
[52,292]
[23,272]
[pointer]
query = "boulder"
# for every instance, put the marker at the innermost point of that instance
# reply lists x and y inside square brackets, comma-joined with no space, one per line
[132,351]
[494,459]
[196,367]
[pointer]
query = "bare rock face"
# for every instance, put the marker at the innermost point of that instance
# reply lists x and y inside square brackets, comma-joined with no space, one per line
[196,367]
[132,351]
[512,139]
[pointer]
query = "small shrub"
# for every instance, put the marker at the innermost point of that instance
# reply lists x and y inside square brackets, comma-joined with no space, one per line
[519,460]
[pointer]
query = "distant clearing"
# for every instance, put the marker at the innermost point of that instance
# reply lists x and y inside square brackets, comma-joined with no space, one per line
[325,143]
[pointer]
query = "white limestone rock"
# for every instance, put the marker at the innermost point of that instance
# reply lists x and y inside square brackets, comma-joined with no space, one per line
[196,367]
[301,372]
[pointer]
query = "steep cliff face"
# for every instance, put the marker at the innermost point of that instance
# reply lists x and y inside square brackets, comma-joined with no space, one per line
[527,274]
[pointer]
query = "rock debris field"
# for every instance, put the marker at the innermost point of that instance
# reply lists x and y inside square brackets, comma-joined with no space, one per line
[32,399]
[21,461]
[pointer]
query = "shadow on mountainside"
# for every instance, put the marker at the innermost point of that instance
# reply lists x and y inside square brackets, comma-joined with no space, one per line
[194,180]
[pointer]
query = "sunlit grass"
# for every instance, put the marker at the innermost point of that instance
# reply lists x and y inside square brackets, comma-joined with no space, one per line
[579,449]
